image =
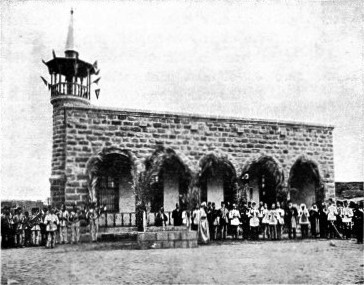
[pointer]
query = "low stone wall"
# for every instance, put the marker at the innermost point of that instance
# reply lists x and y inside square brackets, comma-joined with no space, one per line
[171,237]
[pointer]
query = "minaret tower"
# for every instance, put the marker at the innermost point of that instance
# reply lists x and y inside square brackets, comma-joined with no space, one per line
[70,87]
[70,76]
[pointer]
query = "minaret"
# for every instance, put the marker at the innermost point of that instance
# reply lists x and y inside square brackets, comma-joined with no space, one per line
[70,77]
[70,86]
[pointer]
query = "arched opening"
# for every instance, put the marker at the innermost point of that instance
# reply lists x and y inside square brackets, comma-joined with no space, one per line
[111,180]
[217,179]
[305,183]
[169,179]
[263,176]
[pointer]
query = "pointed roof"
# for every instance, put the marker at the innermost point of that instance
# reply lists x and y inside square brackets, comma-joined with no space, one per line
[70,42]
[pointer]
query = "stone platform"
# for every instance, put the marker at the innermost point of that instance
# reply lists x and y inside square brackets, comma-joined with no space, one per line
[168,237]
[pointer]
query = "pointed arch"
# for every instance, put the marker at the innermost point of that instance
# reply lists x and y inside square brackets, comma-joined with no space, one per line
[112,175]
[168,177]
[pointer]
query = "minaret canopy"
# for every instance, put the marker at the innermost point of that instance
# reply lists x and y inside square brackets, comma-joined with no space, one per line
[70,49]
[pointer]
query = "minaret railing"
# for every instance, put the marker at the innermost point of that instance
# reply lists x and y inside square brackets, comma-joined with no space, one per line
[70,88]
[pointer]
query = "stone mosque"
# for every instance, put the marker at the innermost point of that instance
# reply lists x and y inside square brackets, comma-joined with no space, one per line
[99,152]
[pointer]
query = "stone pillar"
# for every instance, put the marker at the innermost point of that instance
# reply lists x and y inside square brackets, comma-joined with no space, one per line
[170,190]
[215,190]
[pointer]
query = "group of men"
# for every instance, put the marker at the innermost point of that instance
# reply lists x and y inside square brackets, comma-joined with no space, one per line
[46,227]
[252,220]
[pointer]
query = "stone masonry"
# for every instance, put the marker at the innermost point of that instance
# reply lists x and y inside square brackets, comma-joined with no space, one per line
[80,132]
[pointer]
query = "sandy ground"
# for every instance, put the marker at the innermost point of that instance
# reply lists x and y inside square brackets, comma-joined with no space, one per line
[297,262]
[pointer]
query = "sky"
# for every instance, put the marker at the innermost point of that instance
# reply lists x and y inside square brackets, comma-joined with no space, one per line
[288,60]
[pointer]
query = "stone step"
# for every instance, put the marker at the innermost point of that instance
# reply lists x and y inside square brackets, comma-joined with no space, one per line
[120,245]
[166,228]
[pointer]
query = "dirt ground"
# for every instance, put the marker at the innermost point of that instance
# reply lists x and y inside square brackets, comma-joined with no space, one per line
[232,262]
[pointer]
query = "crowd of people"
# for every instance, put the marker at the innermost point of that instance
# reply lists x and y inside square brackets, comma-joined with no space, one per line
[253,221]
[46,227]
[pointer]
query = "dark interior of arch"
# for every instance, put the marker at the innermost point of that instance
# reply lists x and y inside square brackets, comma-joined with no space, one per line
[268,175]
[305,177]
[110,169]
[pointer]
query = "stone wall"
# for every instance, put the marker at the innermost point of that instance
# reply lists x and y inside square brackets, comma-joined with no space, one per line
[58,177]
[86,130]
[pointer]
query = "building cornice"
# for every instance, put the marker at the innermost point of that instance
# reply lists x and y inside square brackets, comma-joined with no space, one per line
[231,119]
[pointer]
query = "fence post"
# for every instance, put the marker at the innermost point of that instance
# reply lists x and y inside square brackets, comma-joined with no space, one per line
[144,221]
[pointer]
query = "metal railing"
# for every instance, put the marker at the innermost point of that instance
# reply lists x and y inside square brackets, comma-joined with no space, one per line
[110,220]
[70,88]
[152,217]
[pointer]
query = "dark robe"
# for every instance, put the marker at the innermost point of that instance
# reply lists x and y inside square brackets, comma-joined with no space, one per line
[177,217]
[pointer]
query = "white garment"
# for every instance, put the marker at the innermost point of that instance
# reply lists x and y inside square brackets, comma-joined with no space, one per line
[332,212]
[63,218]
[273,217]
[254,220]
[195,215]
[265,213]
[234,216]
[303,214]
[347,214]
[51,220]
[280,213]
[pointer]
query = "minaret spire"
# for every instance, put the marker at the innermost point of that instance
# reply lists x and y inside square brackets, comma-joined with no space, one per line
[70,50]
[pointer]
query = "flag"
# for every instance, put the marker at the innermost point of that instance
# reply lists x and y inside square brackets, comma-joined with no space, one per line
[97,72]
[97,92]
[44,81]
[95,65]
[54,54]
[44,62]
[97,81]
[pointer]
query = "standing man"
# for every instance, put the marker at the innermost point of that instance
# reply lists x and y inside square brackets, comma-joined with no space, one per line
[27,229]
[223,212]
[51,221]
[234,217]
[331,218]
[36,235]
[314,220]
[323,220]
[280,220]
[75,224]
[177,216]
[63,223]
[18,227]
[347,215]
[358,222]
[304,220]
[92,216]
[291,220]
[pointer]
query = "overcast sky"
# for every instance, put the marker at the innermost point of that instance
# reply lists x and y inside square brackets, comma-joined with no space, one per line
[289,60]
